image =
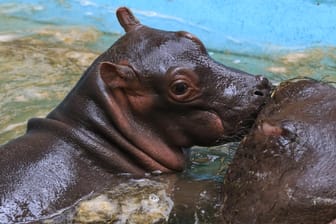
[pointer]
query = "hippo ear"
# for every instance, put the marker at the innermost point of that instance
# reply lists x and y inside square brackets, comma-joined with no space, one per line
[126,19]
[115,75]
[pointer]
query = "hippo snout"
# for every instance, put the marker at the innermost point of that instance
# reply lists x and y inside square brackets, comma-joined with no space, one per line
[263,87]
[244,95]
[258,93]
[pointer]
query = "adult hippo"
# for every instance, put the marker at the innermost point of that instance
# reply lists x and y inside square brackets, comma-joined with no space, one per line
[284,170]
[134,109]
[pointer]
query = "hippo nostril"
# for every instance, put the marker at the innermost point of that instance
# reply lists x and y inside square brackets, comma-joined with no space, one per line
[258,93]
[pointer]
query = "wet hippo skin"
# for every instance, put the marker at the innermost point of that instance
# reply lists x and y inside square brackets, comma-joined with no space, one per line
[284,170]
[136,107]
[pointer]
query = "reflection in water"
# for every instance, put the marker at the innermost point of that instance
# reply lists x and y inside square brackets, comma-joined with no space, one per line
[41,63]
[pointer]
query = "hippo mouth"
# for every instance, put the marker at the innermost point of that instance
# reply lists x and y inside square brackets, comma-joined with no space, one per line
[237,131]
[243,127]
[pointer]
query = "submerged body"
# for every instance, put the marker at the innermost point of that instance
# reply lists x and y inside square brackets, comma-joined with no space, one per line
[284,171]
[134,109]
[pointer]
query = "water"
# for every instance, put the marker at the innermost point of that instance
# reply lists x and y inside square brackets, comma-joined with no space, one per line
[41,62]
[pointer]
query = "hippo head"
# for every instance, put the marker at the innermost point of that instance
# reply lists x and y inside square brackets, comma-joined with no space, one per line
[163,93]
[174,88]
[284,170]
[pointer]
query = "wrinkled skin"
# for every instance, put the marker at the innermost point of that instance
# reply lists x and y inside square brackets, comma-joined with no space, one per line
[284,171]
[134,109]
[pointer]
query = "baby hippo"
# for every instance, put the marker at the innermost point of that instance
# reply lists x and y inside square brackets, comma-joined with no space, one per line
[284,170]
[136,107]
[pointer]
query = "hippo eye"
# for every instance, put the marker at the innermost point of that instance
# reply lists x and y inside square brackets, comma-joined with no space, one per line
[183,91]
[179,87]
[183,86]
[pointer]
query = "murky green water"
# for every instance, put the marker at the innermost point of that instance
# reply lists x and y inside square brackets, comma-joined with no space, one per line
[40,63]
